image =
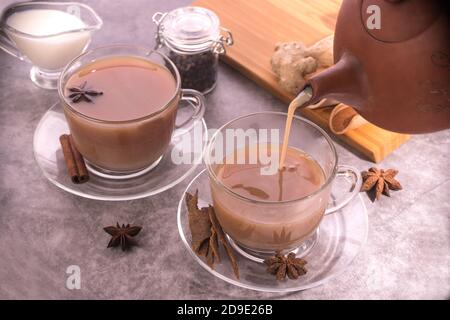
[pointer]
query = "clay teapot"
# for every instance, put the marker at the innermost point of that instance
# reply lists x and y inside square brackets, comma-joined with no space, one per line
[392,64]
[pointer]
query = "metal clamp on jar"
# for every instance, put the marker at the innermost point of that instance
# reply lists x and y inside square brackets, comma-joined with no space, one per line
[193,39]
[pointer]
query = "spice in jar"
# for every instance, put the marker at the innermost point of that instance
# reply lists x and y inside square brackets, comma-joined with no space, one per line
[197,71]
[192,39]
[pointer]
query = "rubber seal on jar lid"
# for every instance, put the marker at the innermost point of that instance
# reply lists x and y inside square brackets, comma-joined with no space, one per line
[190,28]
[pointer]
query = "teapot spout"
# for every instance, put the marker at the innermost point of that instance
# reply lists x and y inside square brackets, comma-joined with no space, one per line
[345,82]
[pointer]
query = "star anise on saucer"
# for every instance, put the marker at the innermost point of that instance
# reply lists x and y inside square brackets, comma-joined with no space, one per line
[379,181]
[81,93]
[280,266]
[122,235]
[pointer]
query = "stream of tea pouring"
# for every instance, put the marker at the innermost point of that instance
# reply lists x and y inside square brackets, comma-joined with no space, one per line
[300,101]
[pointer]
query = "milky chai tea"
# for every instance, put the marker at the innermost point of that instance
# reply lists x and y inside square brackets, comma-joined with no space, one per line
[129,125]
[268,217]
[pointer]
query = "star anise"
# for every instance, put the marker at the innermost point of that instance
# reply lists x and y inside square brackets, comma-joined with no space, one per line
[80,93]
[380,181]
[122,235]
[280,266]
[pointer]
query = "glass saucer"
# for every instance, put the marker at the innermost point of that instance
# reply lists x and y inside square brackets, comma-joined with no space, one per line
[342,235]
[165,175]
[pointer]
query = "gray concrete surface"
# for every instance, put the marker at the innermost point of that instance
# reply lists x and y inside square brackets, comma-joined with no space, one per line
[44,229]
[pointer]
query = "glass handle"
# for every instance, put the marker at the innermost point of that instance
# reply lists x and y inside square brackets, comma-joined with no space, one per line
[8,46]
[158,17]
[197,101]
[225,39]
[228,37]
[346,172]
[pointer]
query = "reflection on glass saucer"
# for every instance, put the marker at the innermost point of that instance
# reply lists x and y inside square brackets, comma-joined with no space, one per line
[165,175]
[341,237]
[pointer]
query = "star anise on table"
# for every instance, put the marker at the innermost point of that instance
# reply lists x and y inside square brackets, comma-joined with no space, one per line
[280,266]
[122,235]
[81,93]
[380,181]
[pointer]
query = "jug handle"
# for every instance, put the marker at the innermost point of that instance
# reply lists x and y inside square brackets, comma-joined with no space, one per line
[8,46]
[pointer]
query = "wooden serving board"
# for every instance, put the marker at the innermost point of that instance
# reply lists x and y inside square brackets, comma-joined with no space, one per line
[257,25]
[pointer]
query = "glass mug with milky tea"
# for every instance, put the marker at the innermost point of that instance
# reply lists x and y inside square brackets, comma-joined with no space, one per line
[281,212]
[125,128]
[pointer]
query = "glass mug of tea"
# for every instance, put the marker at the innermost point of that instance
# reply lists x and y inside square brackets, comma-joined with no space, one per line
[265,209]
[121,103]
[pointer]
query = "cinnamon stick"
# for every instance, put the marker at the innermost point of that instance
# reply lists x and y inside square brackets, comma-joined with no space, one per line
[74,160]
[206,233]
[79,160]
[221,236]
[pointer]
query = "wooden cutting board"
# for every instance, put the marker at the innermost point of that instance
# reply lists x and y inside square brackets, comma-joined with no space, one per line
[257,25]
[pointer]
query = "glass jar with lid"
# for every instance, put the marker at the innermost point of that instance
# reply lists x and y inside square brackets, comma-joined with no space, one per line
[193,39]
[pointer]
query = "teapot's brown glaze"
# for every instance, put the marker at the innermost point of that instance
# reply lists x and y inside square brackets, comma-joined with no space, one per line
[398,76]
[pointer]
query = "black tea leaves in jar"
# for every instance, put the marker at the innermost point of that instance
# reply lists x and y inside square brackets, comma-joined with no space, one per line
[197,71]
[193,40]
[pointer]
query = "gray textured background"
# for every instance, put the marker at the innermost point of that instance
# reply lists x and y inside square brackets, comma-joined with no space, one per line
[44,229]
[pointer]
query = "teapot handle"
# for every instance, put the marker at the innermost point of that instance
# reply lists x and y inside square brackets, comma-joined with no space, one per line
[8,46]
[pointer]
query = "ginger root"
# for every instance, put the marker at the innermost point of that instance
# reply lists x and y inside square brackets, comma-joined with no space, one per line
[292,61]
[322,51]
